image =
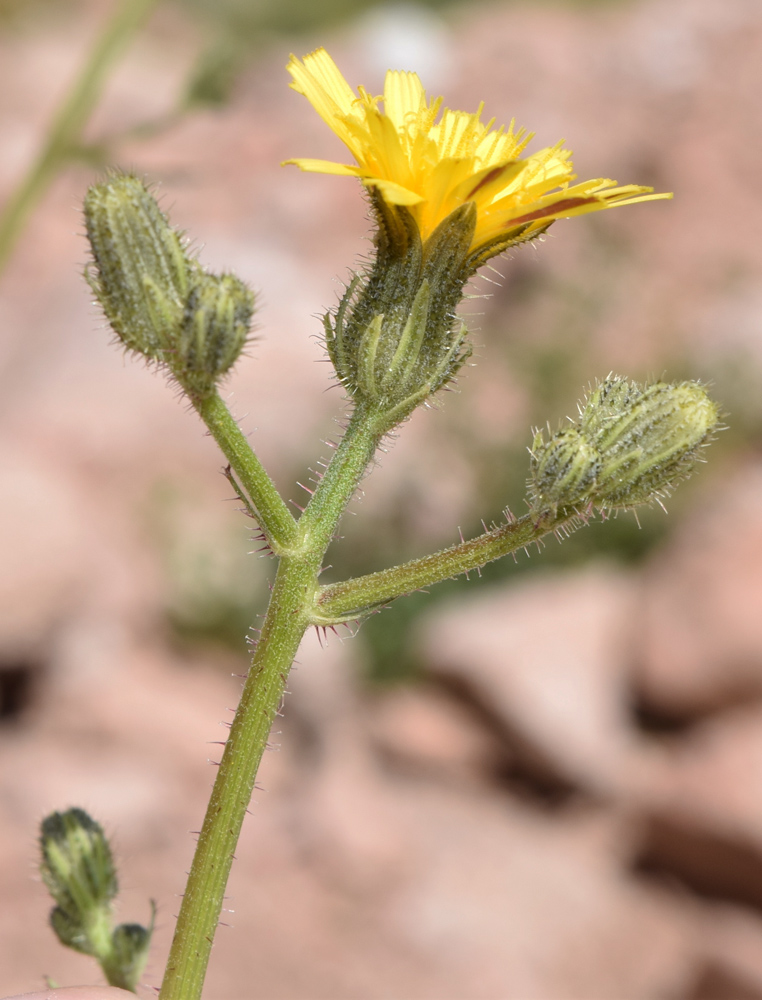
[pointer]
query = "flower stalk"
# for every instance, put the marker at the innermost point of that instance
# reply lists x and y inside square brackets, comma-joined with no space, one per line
[284,625]
[290,612]
[267,505]
[352,600]
[296,603]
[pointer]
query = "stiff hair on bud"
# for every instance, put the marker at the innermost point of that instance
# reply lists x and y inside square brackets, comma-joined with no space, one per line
[631,445]
[157,298]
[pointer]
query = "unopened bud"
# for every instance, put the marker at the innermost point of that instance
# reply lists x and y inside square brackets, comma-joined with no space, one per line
[655,443]
[140,272]
[214,329]
[563,470]
[130,945]
[78,868]
[71,931]
[77,865]
[156,297]
[631,445]
[606,405]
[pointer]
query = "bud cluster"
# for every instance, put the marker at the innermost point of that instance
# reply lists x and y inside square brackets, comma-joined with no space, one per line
[78,868]
[395,338]
[157,298]
[630,446]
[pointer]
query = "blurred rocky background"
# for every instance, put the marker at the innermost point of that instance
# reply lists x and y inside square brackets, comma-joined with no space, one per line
[542,785]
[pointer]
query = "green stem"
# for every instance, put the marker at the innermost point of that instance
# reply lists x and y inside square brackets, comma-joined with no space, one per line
[274,516]
[339,602]
[292,609]
[341,478]
[66,129]
[289,614]
[285,623]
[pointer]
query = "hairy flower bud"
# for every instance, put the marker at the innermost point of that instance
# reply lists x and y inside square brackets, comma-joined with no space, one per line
[71,931]
[654,443]
[140,272]
[214,329]
[78,868]
[157,298]
[606,405]
[395,338]
[631,445]
[564,469]
[130,944]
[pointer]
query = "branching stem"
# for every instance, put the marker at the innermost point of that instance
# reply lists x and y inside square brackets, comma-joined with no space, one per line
[340,602]
[288,616]
[296,602]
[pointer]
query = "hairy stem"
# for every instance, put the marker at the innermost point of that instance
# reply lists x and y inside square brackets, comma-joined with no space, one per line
[274,516]
[339,602]
[289,613]
[296,603]
[65,132]
[284,625]
[341,478]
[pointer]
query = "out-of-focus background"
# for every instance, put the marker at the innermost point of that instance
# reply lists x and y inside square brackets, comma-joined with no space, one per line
[542,785]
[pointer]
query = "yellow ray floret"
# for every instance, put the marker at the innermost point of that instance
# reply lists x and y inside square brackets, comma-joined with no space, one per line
[433,163]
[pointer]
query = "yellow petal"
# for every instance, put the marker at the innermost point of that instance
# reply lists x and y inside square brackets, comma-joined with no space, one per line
[319,79]
[404,97]
[486,183]
[323,167]
[433,167]
[392,192]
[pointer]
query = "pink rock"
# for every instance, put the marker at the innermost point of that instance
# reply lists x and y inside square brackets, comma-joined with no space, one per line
[506,903]
[701,633]
[423,730]
[730,943]
[548,658]
[45,558]
[705,816]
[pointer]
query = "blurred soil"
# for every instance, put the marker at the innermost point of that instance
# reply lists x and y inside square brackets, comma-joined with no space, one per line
[565,803]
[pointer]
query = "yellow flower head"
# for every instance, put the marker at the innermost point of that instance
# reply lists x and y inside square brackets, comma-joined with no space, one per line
[431,167]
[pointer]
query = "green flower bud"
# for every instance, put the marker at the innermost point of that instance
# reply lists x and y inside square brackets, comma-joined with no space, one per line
[654,443]
[70,931]
[130,944]
[77,866]
[214,329]
[140,271]
[156,297]
[631,445]
[78,869]
[564,470]
[394,338]
[605,405]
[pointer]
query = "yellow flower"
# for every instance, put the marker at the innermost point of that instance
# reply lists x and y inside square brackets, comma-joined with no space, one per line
[431,166]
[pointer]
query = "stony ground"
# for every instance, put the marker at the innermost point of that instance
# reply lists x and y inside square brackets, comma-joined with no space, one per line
[567,804]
